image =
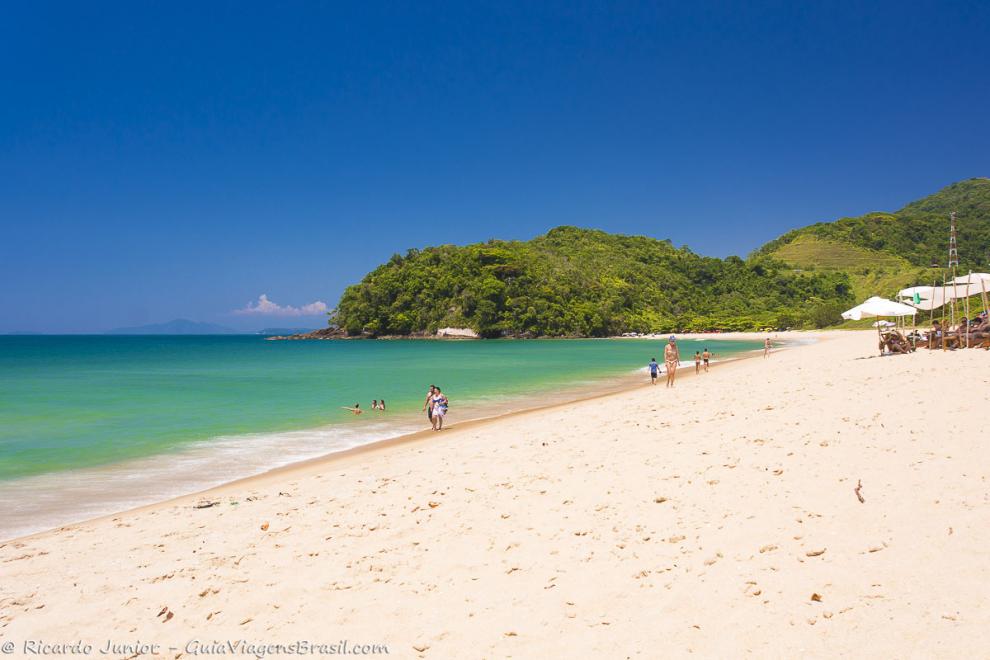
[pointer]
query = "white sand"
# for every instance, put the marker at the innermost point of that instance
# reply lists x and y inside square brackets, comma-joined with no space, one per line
[651,523]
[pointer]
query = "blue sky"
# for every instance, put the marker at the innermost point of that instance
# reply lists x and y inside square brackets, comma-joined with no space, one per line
[179,159]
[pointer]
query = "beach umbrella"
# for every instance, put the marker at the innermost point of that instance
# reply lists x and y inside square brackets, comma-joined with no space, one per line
[933,297]
[884,324]
[877,306]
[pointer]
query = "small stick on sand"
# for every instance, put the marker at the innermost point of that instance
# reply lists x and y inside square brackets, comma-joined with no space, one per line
[859,485]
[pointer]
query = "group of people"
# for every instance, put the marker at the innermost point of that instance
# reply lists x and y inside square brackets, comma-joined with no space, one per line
[375,405]
[435,407]
[969,333]
[672,359]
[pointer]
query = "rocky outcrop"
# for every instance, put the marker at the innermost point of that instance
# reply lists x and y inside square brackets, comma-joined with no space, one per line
[322,333]
[463,333]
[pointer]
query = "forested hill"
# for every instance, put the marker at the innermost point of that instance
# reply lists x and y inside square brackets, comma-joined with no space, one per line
[583,282]
[918,233]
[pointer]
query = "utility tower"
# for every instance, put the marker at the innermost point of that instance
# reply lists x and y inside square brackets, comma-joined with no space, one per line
[953,264]
[953,252]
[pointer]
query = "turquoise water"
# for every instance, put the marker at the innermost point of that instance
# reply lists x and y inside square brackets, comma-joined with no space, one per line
[70,405]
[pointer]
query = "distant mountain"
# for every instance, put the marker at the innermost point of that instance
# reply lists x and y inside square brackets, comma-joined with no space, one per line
[176,327]
[270,332]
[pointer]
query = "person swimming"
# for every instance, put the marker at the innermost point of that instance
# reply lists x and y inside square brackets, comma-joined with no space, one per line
[356,409]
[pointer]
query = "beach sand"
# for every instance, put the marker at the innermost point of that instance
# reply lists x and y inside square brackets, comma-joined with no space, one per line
[718,518]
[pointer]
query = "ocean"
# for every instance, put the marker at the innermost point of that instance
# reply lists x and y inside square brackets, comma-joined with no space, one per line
[90,425]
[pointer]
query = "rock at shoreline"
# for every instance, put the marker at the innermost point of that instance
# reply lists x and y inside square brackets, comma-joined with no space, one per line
[465,333]
[322,333]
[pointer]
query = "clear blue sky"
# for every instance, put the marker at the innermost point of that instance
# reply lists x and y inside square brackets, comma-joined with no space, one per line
[178,159]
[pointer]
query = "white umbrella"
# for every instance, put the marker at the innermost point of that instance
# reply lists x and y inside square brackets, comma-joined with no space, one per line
[933,297]
[877,306]
[973,278]
[884,324]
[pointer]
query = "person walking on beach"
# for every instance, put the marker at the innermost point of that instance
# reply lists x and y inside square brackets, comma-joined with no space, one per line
[428,404]
[705,357]
[654,370]
[671,358]
[767,345]
[439,408]
[697,362]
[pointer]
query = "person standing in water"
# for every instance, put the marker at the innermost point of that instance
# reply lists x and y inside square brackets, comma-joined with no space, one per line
[654,370]
[671,358]
[428,404]
[767,345]
[705,357]
[381,405]
[697,362]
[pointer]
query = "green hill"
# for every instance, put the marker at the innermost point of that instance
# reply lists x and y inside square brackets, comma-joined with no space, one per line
[582,282]
[885,252]
[918,233]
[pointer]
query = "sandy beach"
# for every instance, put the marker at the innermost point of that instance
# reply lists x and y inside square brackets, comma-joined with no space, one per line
[717,518]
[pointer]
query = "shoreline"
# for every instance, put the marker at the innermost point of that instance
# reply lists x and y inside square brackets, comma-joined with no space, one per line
[774,508]
[616,385]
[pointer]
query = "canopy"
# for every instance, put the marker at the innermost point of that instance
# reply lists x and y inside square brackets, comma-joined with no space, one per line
[933,297]
[884,324]
[877,306]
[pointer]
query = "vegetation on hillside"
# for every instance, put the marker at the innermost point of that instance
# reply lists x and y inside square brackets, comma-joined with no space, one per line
[918,233]
[871,273]
[581,282]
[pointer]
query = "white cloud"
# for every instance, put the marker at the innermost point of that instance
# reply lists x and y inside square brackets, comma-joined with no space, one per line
[267,307]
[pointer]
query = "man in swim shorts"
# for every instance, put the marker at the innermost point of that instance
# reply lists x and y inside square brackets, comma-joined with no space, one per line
[671,358]
[654,370]
[705,357]
[428,404]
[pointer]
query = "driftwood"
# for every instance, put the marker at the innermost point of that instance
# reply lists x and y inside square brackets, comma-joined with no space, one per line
[859,496]
[206,504]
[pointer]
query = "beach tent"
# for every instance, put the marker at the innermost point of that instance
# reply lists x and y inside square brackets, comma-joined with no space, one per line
[932,297]
[877,306]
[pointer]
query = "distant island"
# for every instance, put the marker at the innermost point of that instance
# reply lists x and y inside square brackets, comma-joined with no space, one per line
[176,327]
[282,331]
[187,327]
[574,282]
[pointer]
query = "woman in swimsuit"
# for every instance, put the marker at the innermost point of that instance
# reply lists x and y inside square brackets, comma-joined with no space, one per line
[439,402]
[671,358]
